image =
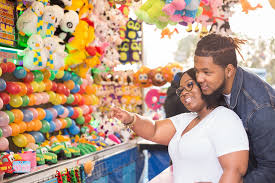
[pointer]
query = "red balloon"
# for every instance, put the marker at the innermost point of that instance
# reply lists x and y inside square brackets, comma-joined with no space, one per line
[82,89]
[29,88]
[60,88]
[82,101]
[54,86]
[5,97]
[76,99]
[67,92]
[87,118]
[4,67]
[13,88]
[29,77]
[91,108]
[76,114]
[10,67]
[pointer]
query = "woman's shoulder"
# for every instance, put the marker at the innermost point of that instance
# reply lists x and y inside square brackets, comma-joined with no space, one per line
[181,119]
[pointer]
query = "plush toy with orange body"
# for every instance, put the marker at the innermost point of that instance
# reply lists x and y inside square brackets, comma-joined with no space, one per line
[170,70]
[141,77]
[157,77]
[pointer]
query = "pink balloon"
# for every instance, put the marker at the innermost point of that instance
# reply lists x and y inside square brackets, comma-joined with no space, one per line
[46,97]
[85,109]
[4,119]
[1,103]
[65,114]
[38,99]
[84,82]
[7,131]
[4,144]
[54,112]
[58,124]
[34,111]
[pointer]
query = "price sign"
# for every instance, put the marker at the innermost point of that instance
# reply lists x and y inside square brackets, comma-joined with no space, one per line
[21,166]
[7,23]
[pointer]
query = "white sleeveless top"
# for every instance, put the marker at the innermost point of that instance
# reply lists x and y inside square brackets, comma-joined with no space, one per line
[195,154]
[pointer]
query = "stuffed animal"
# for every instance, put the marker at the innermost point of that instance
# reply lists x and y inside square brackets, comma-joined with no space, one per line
[30,22]
[76,5]
[170,70]
[247,6]
[141,77]
[157,77]
[61,3]
[34,56]
[67,25]
[59,12]
[49,20]
[60,51]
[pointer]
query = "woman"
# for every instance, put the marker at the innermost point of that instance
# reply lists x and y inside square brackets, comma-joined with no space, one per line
[208,145]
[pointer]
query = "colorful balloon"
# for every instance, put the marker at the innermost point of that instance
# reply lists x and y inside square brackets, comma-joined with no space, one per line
[38,136]
[80,120]
[4,67]
[15,129]
[70,99]
[48,84]
[58,124]
[18,115]
[3,84]
[32,99]
[59,74]
[35,86]
[16,101]
[52,126]
[41,113]
[47,74]
[4,144]
[29,77]
[49,115]
[30,126]
[67,76]
[69,122]
[20,73]
[4,119]
[29,88]
[30,138]
[12,88]
[53,73]
[38,76]
[45,126]
[26,100]
[11,116]
[38,125]
[23,88]
[65,113]
[6,131]
[5,97]
[10,67]
[69,84]
[1,103]
[28,115]
[22,126]
[20,140]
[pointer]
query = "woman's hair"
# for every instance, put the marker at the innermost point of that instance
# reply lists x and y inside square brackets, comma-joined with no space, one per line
[221,48]
[212,101]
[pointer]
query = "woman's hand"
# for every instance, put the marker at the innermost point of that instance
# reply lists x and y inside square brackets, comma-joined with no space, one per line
[122,115]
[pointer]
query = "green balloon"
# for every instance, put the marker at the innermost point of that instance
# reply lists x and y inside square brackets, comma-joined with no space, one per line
[84,129]
[26,100]
[69,122]
[1,132]
[70,99]
[53,73]
[80,81]
[80,120]
[38,76]
[11,116]
[45,126]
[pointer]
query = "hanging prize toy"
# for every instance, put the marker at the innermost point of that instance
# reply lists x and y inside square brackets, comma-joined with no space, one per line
[82,173]
[59,177]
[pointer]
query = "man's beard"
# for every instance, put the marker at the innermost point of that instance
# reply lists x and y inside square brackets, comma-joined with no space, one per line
[216,97]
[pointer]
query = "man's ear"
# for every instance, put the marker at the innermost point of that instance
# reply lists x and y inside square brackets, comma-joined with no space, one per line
[229,71]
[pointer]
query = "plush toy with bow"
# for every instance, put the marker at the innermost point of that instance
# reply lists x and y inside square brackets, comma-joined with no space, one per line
[34,56]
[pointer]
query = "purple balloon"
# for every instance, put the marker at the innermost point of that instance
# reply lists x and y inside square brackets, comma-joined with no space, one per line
[7,131]
[4,119]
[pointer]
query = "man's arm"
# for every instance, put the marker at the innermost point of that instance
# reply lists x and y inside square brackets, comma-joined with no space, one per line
[261,133]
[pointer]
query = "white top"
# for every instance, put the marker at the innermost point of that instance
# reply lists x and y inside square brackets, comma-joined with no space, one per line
[195,154]
[227,98]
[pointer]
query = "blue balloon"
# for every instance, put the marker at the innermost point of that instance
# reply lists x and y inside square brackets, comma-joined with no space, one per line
[49,115]
[38,136]
[73,123]
[52,126]
[59,109]
[74,130]
[75,89]
[67,76]
[75,78]
[71,111]
[20,73]
[28,115]
[3,84]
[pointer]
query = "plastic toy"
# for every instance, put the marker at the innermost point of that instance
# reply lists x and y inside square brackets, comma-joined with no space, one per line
[50,158]
[74,150]
[60,150]
[247,6]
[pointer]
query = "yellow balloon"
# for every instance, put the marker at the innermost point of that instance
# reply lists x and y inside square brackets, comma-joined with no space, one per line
[95,100]
[35,86]
[59,74]
[0,71]
[41,87]
[57,100]
[20,140]
[79,111]
[52,95]
[16,101]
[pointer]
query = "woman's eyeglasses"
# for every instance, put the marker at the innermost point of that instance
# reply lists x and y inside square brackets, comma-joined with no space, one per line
[188,88]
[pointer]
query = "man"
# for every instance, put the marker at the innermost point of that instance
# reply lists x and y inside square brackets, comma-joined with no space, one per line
[250,97]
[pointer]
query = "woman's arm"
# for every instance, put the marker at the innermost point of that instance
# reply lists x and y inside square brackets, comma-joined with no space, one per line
[160,132]
[234,166]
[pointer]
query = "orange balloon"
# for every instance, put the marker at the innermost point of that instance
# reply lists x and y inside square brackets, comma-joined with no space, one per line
[15,129]
[41,113]
[64,98]
[47,74]
[30,126]
[23,88]
[63,122]
[89,100]
[48,84]
[69,84]
[30,138]
[38,125]
[18,115]
[80,112]
[90,89]
[32,99]
[22,125]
